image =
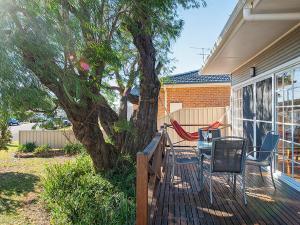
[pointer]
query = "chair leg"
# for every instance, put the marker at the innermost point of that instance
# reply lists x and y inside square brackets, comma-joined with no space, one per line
[228,178]
[172,172]
[244,188]
[201,173]
[234,182]
[271,170]
[261,175]
[210,188]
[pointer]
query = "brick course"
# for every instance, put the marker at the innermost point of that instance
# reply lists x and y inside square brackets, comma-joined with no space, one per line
[195,97]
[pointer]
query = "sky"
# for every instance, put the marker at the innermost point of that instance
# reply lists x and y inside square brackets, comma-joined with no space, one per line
[201,29]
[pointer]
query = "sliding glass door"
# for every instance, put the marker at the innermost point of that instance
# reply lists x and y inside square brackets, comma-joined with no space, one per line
[270,103]
[255,101]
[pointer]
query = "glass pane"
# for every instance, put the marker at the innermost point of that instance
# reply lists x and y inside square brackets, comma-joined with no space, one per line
[287,133]
[280,130]
[297,171]
[264,100]
[288,168]
[288,79]
[297,95]
[239,128]
[296,153]
[297,77]
[261,130]
[248,106]
[287,158]
[296,119]
[279,100]
[280,156]
[279,112]
[279,81]
[287,114]
[297,134]
[248,132]
[288,97]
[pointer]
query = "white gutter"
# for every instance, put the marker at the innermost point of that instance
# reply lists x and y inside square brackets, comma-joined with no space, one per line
[271,16]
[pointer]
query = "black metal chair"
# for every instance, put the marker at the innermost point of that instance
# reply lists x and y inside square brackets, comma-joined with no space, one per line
[227,157]
[265,154]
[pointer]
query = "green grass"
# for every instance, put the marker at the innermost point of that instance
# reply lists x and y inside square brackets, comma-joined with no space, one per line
[20,187]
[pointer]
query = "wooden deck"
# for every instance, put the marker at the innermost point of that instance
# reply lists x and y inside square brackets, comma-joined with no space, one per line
[184,203]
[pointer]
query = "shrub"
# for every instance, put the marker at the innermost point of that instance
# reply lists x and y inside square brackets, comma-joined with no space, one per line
[5,136]
[72,149]
[42,149]
[49,125]
[75,194]
[28,147]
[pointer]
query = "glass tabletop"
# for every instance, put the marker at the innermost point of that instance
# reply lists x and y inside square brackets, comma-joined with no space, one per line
[204,145]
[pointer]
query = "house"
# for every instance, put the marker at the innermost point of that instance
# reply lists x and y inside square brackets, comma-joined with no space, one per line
[260,47]
[190,90]
[193,90]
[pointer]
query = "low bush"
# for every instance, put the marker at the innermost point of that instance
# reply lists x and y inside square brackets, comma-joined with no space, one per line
[42,149]
[28,147]
[73,148]
[75,194]
[5,137]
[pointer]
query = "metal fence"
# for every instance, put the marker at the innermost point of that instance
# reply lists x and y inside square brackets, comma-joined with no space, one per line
[54,138]
[197,116]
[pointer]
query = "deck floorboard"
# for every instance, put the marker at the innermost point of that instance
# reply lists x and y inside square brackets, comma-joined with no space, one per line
[183,203]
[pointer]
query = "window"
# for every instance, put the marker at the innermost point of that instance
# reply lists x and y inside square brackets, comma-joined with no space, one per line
[174,106]
[288,121]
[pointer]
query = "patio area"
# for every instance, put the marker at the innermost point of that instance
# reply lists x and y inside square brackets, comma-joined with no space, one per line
[182,202]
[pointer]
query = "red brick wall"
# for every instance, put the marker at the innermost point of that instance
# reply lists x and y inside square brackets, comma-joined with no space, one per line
[195,97]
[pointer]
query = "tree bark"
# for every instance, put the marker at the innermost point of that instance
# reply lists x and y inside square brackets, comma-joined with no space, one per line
[88,132]
[146,122]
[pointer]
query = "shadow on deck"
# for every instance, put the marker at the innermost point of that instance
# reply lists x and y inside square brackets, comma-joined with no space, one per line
[182,202]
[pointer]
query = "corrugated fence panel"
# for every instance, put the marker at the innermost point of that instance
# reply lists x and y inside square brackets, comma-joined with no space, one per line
[196,116]
[54,138]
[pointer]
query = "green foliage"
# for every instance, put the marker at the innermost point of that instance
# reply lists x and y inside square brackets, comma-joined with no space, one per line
[74,148]
[5,134]
[75,194]
[42,149]
[49,125]
[52,124]
[123,126]
[28,147]
[5,137]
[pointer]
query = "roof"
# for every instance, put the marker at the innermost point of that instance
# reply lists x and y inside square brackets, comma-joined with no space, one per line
[193,77]
[244,38]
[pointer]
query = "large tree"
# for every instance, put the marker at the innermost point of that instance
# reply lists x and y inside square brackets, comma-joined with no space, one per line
[75,51]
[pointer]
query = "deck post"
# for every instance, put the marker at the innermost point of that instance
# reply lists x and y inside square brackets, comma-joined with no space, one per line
[142,189]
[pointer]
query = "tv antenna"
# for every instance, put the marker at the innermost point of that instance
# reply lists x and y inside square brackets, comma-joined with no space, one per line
[204,52]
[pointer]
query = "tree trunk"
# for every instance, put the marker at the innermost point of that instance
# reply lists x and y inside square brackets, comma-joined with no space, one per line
[146,123]
[88,132]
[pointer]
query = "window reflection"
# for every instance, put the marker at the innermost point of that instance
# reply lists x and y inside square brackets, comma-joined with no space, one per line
[297,77]
[288,122]
[288,79]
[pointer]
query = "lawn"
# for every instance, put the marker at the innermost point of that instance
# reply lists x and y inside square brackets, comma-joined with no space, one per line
[20,188]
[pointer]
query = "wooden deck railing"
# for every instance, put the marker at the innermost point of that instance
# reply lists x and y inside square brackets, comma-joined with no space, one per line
[149,170]
[150,163]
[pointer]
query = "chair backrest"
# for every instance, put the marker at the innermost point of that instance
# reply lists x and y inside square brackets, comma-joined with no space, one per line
[216,133]
[228,154]
[269,144]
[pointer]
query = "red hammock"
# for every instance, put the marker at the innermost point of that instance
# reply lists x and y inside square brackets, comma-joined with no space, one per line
[192,136]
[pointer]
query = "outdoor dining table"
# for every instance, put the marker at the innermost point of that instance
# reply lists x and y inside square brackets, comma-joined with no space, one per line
[203,147]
